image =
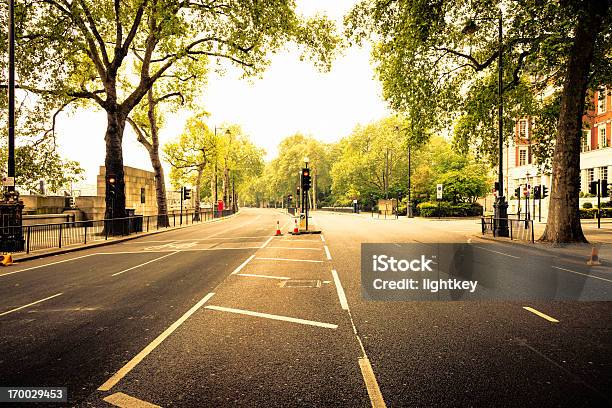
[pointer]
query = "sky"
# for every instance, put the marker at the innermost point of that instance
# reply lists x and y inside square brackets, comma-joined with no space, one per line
[291,96]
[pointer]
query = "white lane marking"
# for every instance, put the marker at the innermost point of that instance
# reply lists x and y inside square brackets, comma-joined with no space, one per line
[369,378]
[497,252]
[123,371]
[267,242]
[195,239]
[242,265]
[262,276]
[542,315]
[145,263]
[327,253]
[340,290]
[122,400]
[273,317]
[297,240]
[294,248]
[583,274]
[288,259]
[30,304]
[160,251]
[48,264]
[322,237]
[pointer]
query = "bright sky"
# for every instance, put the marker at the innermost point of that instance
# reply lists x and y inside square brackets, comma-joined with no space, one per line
[292,96]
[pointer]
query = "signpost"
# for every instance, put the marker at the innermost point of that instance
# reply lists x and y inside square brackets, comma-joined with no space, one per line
[439,191]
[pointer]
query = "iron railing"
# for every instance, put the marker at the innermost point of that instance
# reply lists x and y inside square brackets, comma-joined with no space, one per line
[519,230]
[49,236]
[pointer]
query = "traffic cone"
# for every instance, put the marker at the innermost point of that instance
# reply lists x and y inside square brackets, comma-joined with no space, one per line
[6,260]
[278,231]
[295,228]
[594,260]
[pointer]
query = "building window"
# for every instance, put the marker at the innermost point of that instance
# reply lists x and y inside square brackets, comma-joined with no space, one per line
[523,129]
[142,195]
[603,173]
[590,175]
[585,146]
[601,101]
[522,157]
[603,141]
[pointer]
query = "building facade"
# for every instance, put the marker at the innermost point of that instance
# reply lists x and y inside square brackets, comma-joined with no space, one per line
[521,167]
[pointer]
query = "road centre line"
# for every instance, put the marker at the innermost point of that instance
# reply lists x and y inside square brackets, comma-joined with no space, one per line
[242,265]
[542,315]
[262,276]
[497,252]
[48,264]
[145,263]
[123,371]
[273,317]
[267,242]
[195,239]
[340,290]
[327,253]
[122,400]
[30,304]
[583,274]
[289,259]
[161,251]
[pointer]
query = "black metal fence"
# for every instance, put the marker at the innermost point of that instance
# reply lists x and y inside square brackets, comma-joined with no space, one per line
[519,230]
[49,236]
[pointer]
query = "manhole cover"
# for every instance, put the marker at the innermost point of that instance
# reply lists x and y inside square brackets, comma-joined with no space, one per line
[301,283]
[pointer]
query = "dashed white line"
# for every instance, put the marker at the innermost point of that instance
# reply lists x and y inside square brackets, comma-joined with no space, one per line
[267,242]
[242,265]
[542,315]
[123,371]
[47,264]
[273,317]
[145,263]
[294,248]
[340,290]
[253,275]
[583,274]
[289,259]
[327,253]
[29,304]
[322,237]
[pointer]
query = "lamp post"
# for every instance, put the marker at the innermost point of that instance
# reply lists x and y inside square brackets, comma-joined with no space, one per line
[227,132]
[501,206]
[11,94]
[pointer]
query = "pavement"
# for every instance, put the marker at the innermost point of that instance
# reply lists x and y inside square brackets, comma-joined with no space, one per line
[230,315]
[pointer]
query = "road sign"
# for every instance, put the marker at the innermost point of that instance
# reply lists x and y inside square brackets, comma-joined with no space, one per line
[439,191]
[8,181]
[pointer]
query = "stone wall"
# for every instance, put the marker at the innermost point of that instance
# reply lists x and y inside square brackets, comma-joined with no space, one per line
[135,181]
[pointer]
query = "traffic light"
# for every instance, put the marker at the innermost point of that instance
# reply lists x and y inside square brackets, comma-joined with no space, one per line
[593,187]
[517,192]
[604,188]
[111,184]
[305,179]
[537,192]
[186,193]
[544,191]
[298,192]
[496,186]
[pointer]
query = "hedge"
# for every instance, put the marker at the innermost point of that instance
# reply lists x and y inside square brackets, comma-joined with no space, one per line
[446,209]
[587,213]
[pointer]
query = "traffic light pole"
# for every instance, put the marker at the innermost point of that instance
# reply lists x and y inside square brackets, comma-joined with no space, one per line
[599,188]
[181,216]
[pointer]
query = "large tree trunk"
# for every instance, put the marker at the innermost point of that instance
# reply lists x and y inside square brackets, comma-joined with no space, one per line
[563,224]
[160,188]
[115,203]
[197,192]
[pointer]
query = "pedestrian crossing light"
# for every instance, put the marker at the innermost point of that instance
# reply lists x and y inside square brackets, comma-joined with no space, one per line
[604,188]
[537,193]
[111,184]
[305,179]
[517,192]
[544,191]
[593,187]
[186,193]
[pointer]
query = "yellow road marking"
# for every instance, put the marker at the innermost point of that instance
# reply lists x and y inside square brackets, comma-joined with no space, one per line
[122,400]
[369,378]
[542,315]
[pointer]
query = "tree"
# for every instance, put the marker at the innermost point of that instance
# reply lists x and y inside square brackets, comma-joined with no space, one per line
[76,51]
[429,66]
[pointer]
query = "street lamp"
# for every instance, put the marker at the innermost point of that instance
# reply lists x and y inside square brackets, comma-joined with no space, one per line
[501,206]
[227,132]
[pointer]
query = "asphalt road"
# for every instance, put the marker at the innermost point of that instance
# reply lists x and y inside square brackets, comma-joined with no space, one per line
[226,314]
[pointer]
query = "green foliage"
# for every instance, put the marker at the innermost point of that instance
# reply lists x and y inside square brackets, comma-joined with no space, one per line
[590,213]
[447,209]
[587,205]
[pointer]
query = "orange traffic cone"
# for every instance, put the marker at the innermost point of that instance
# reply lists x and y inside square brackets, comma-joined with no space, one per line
[594,260]
[6,260]
[278,231]
[295,228]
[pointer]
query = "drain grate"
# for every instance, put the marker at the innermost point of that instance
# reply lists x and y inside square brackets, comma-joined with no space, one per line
[301,283]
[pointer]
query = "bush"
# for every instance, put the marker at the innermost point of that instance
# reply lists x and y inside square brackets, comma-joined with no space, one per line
[446,209]
[607,204]
[590,213]
[587,205]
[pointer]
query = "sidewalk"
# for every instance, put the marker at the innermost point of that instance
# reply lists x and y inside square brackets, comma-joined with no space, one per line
[22,256]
